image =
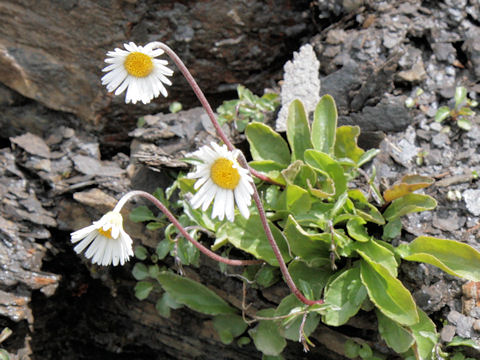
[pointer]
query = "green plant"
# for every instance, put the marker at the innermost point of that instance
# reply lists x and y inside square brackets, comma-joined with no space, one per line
[335,241]
[328,236]
[249,107]
[410,102]
[461,111]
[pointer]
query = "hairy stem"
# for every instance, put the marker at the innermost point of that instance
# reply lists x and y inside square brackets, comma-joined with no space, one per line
[182,230]
[206,105]
[243,162]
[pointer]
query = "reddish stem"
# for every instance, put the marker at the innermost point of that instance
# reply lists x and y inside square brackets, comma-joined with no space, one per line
[203,100]
[182,230]
[206,105]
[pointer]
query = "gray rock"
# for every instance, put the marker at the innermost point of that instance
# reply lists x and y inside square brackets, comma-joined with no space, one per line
[450,223]
[440,140]
[65,74]
[415,74]
[90,166]
[339,84]
[447,333]
[301,81]
[436,126]
[444,52]
[472,201]
[464,324]
[388,115]
[32,144]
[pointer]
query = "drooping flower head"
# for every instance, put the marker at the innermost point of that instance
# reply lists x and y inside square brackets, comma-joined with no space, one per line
[220,177]
[107,242]
[136,70]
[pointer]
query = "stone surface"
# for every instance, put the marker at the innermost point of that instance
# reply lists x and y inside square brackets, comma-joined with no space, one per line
[33,144]
[222,42]
[447,333]
[472,202]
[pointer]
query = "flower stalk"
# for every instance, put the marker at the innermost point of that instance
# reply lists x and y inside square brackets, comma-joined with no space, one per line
[206,105]
[243,162]
[181,229]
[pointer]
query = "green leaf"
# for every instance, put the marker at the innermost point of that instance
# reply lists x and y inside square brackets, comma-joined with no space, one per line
[249,235]
[266,144]
[267,276]
[198,216]
[453,257]
[408,184]
[193,294]
[367,156]
[425,335]
[466,111]
[297,199]
[298,130]
[346,294]
[229,327]
[339,204]
[351,349]
[464,123]
[291,305]
[162,307]
[388,293]
[346,143]
[152,226]
[142,289]
[141,213]
[365,352]
[372,251]
[443,112]
[267,335]
[324,188]
[140,271]
[270,168]
[314,249]
[163,248]
[460,96]
[299,174]
[187,252]
[153,270]
[165,303]
[140,252]
[316,277]
[175,107]
[270,357]
[392,229]
[323,162]
[364,209]
[324,125]
[396,337]
[4,355]
[244,340]
[408,204]
[356,229]
[458,341]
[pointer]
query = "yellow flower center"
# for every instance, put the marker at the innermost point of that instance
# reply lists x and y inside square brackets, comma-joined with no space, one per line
[107,233]
[138,64]
[224,174]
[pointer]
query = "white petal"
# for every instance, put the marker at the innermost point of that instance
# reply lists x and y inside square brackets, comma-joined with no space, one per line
[85,242]
[229,206]
[219,204]
[107,256]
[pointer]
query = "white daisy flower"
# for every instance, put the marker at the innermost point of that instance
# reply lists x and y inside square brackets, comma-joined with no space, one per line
[220,177]
[107,242]
[137,71]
